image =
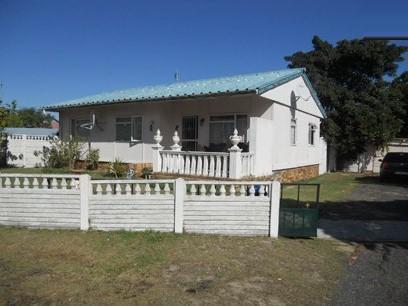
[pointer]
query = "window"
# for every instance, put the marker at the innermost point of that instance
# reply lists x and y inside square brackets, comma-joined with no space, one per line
[129,129]
[189,133]
[77,130]
[293,132]
[222,127]
[312,133]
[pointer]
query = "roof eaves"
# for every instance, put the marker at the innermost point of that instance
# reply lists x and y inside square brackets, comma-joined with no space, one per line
[269,86]
[147,99]
[314,95]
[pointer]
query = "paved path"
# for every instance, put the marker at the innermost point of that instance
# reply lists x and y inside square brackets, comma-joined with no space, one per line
[376,275]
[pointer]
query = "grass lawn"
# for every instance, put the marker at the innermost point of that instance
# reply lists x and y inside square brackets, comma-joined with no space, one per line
[124,268]
[333,187]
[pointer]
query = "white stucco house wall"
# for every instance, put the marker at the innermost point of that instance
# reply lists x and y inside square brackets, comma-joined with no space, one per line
[276,113]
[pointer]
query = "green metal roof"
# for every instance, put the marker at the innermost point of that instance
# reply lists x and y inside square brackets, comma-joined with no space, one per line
[246,83]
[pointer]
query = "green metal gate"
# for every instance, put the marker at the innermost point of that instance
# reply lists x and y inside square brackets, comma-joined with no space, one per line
[299,210]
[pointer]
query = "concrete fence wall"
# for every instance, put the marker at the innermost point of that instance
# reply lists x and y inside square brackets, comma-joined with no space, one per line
[212,207]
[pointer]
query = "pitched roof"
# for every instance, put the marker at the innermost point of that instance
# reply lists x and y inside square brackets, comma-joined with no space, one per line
[245,83]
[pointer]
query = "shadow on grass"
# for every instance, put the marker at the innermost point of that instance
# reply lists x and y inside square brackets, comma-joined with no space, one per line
[375,179]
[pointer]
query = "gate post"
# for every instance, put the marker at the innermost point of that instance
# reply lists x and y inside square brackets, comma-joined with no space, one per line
[179,190]
[157,160]
[274,194]
[85,191]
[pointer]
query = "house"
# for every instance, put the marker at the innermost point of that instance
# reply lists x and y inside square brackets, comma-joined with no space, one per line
[277,115]
[23,142]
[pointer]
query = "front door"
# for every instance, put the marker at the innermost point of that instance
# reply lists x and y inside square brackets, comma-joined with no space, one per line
[189,133]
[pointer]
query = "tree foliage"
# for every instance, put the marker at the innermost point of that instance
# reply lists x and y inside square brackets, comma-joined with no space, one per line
[350,78]
[399,91]
[11,116]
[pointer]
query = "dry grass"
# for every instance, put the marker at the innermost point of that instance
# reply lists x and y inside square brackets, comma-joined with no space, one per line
[123,268]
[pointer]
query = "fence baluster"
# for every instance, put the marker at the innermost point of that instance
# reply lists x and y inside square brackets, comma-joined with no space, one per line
[232,190]
[128,189]
[212,166]
[98,189]
[157,188]
[138,189]
[108,189]
[118,190]
[199,165]
[193,189]
[222,190]
[212,190]
[166,189]
[205,165]
[242,191]
[187,169]
[35,183]
[148,190]
[203,190]
[7,182]
[262,190]
[54,183]
[224,166]
[64,183]
[26,183]
[252,191]
[218,166]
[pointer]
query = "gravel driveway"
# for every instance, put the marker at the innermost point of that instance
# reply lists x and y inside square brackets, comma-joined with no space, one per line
[377,274]
[374,211]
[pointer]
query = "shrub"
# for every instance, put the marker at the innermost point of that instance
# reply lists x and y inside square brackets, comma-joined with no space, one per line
[92,159]
[147,172]
[60,154]
[117,168]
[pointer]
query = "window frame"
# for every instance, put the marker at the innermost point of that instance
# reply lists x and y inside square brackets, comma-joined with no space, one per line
[132,138]
[312,136]
[235,115]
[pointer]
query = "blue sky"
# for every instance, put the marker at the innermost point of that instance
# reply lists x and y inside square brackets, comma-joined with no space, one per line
[52,51]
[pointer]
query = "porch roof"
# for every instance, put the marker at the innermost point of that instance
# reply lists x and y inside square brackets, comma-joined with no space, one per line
[256,83]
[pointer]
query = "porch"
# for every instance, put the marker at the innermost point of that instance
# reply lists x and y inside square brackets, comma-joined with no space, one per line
[233,164]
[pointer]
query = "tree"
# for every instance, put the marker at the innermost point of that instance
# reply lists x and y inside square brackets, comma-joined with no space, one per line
[351,81]
[399,90]
[11,116]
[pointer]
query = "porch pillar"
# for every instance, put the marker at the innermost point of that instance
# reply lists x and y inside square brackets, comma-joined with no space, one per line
[235,160]
[157,160]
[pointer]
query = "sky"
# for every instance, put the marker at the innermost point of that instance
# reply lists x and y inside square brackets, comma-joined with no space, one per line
[57,50]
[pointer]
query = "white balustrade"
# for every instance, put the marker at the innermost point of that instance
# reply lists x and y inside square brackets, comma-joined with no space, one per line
[132,187]
[258,189]
[39,181]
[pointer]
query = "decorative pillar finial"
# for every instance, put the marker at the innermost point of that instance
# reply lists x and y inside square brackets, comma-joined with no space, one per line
[235,140]
[158,138]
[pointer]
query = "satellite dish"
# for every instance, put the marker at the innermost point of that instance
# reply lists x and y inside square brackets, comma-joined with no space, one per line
[89,125]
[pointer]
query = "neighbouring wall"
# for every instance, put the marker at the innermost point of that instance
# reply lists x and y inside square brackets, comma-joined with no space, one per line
[21,149]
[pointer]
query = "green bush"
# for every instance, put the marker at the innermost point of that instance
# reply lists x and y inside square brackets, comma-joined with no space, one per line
[117,168]
[147,172]
[92,159]
[60,154]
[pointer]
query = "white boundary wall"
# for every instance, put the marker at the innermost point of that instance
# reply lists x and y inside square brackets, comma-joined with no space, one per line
[212,207]
[22,148]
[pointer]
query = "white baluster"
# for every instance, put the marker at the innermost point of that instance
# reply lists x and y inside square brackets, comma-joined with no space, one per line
[187,169]
[17,183]
[64,183]
[166,189]
[157,188]
[262,191]
[218,166]
[128,189]
[197,165]
[242,191]
[35,183]
[224,166]
[193,165]
[252,191]
[108,189]
[7,183]
[222,190]
[69,183]
[181,163]
[54,183]
[137,189]
[212,166]
[118,190]
[26,183]
[193,189]
[98,189]
[232,190]
[203,190]
[205,165]
[148,190]
[212,190]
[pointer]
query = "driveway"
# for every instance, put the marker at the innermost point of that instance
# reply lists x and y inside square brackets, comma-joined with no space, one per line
[376,275]
[374,211]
